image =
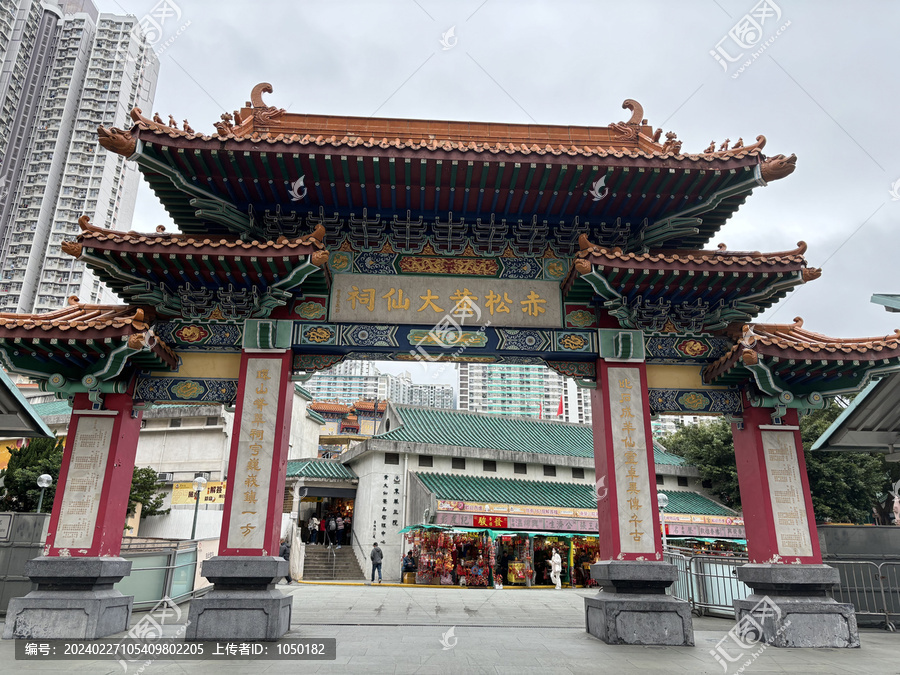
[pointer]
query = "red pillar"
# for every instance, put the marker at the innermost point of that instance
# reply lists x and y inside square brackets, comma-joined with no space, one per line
[91,502]
[254,497]
[778,512]
[623,457]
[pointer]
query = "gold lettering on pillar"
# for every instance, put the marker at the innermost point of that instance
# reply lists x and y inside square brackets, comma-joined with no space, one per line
[629,443]
[256,447]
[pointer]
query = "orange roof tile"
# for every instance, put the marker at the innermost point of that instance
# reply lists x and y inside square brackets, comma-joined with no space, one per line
[370,405]
[162,238]
[791,341]
[262,123]
[322,406]
[79,316]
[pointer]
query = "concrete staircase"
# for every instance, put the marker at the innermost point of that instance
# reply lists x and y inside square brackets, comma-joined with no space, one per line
[319,561]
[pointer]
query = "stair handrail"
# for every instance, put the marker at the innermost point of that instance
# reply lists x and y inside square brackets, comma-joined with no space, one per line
[333,553]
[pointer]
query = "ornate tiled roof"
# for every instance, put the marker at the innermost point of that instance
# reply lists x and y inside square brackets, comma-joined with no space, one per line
[78,316]
[319,468]
[325,407]
[463,488]
[91,234]
[369,406]
[791,341]
[500,432]
[257,123]
[721,257]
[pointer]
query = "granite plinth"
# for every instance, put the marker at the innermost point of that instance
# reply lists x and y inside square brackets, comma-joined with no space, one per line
[243,604]
[633,609]
[75,599]
[790,607]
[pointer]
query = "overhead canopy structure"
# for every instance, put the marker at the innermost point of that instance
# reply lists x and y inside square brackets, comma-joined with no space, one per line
[17,418]
[871,423]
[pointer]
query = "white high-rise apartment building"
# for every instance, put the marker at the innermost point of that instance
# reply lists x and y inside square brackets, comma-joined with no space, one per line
[352,381]
[66,69]
[529,390]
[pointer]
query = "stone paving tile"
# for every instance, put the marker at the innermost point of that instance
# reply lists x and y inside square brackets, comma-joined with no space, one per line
[491,637]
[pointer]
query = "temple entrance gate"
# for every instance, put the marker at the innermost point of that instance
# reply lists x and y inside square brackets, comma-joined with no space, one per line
[309,239]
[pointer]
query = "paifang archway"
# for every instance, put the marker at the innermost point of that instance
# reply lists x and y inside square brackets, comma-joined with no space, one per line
[307,239]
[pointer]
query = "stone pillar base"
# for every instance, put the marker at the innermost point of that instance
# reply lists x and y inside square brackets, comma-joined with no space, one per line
[789,607]
[243,604]
[633,608]
[75,600]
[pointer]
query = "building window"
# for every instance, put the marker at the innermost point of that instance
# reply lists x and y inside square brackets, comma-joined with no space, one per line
[682,481]
[458,463]
[175,423]
[490,465]
[577,473]
[212,421]
[659,480]
[426,460]
[520,468]
[392,458]
[549,470]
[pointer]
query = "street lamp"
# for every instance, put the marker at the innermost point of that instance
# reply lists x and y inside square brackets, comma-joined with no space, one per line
[199,484]
[44,481]
[662,499]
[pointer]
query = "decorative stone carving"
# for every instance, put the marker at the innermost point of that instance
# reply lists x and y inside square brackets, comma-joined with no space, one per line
[778,166]
[262,113]
[117,141]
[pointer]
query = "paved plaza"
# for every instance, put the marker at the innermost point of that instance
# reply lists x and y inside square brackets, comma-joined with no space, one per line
[397,629]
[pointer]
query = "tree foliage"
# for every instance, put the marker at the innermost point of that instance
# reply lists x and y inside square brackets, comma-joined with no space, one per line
[44,455]
[843,485]
[38,456]
[145,490]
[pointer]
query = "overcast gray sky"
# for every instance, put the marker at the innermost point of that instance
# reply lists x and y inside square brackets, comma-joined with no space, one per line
[824,87]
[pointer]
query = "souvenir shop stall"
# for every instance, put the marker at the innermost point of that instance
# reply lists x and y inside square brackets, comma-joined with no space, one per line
[585,552]
[446,556]
[514,559]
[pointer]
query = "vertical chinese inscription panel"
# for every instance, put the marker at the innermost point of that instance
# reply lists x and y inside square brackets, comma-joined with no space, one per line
[256,447]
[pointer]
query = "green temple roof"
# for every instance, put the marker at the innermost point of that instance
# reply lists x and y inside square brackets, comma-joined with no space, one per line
[544,493]
[501,432]
[319,468]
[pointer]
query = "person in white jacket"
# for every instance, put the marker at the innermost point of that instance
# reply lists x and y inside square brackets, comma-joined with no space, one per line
[556,569]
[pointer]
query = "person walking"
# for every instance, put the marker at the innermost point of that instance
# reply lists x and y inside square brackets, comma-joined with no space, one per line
[376,556]
[556,569]
[285,552]
[332,529]
[339,531]
[347,535]
[313,529]
[322,531]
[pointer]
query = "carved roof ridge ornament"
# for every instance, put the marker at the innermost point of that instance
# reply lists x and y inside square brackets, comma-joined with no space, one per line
[117,140]
[737,149]
[777,167]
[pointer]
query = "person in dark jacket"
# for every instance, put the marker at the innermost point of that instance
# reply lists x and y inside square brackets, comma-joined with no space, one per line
[285,552]
[376,556]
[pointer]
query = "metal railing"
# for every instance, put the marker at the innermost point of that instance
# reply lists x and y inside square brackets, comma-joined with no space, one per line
[160,569]
[710,584]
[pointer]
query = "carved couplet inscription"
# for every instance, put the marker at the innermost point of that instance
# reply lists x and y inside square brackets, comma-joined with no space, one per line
[629,441]
[84,483]
[256,446]
[786,494]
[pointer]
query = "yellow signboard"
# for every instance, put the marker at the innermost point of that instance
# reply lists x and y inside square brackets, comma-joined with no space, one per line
[183,493]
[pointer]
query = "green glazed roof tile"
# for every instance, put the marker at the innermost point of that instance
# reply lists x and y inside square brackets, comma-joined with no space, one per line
[501,432]
[318,468]
[463,488]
